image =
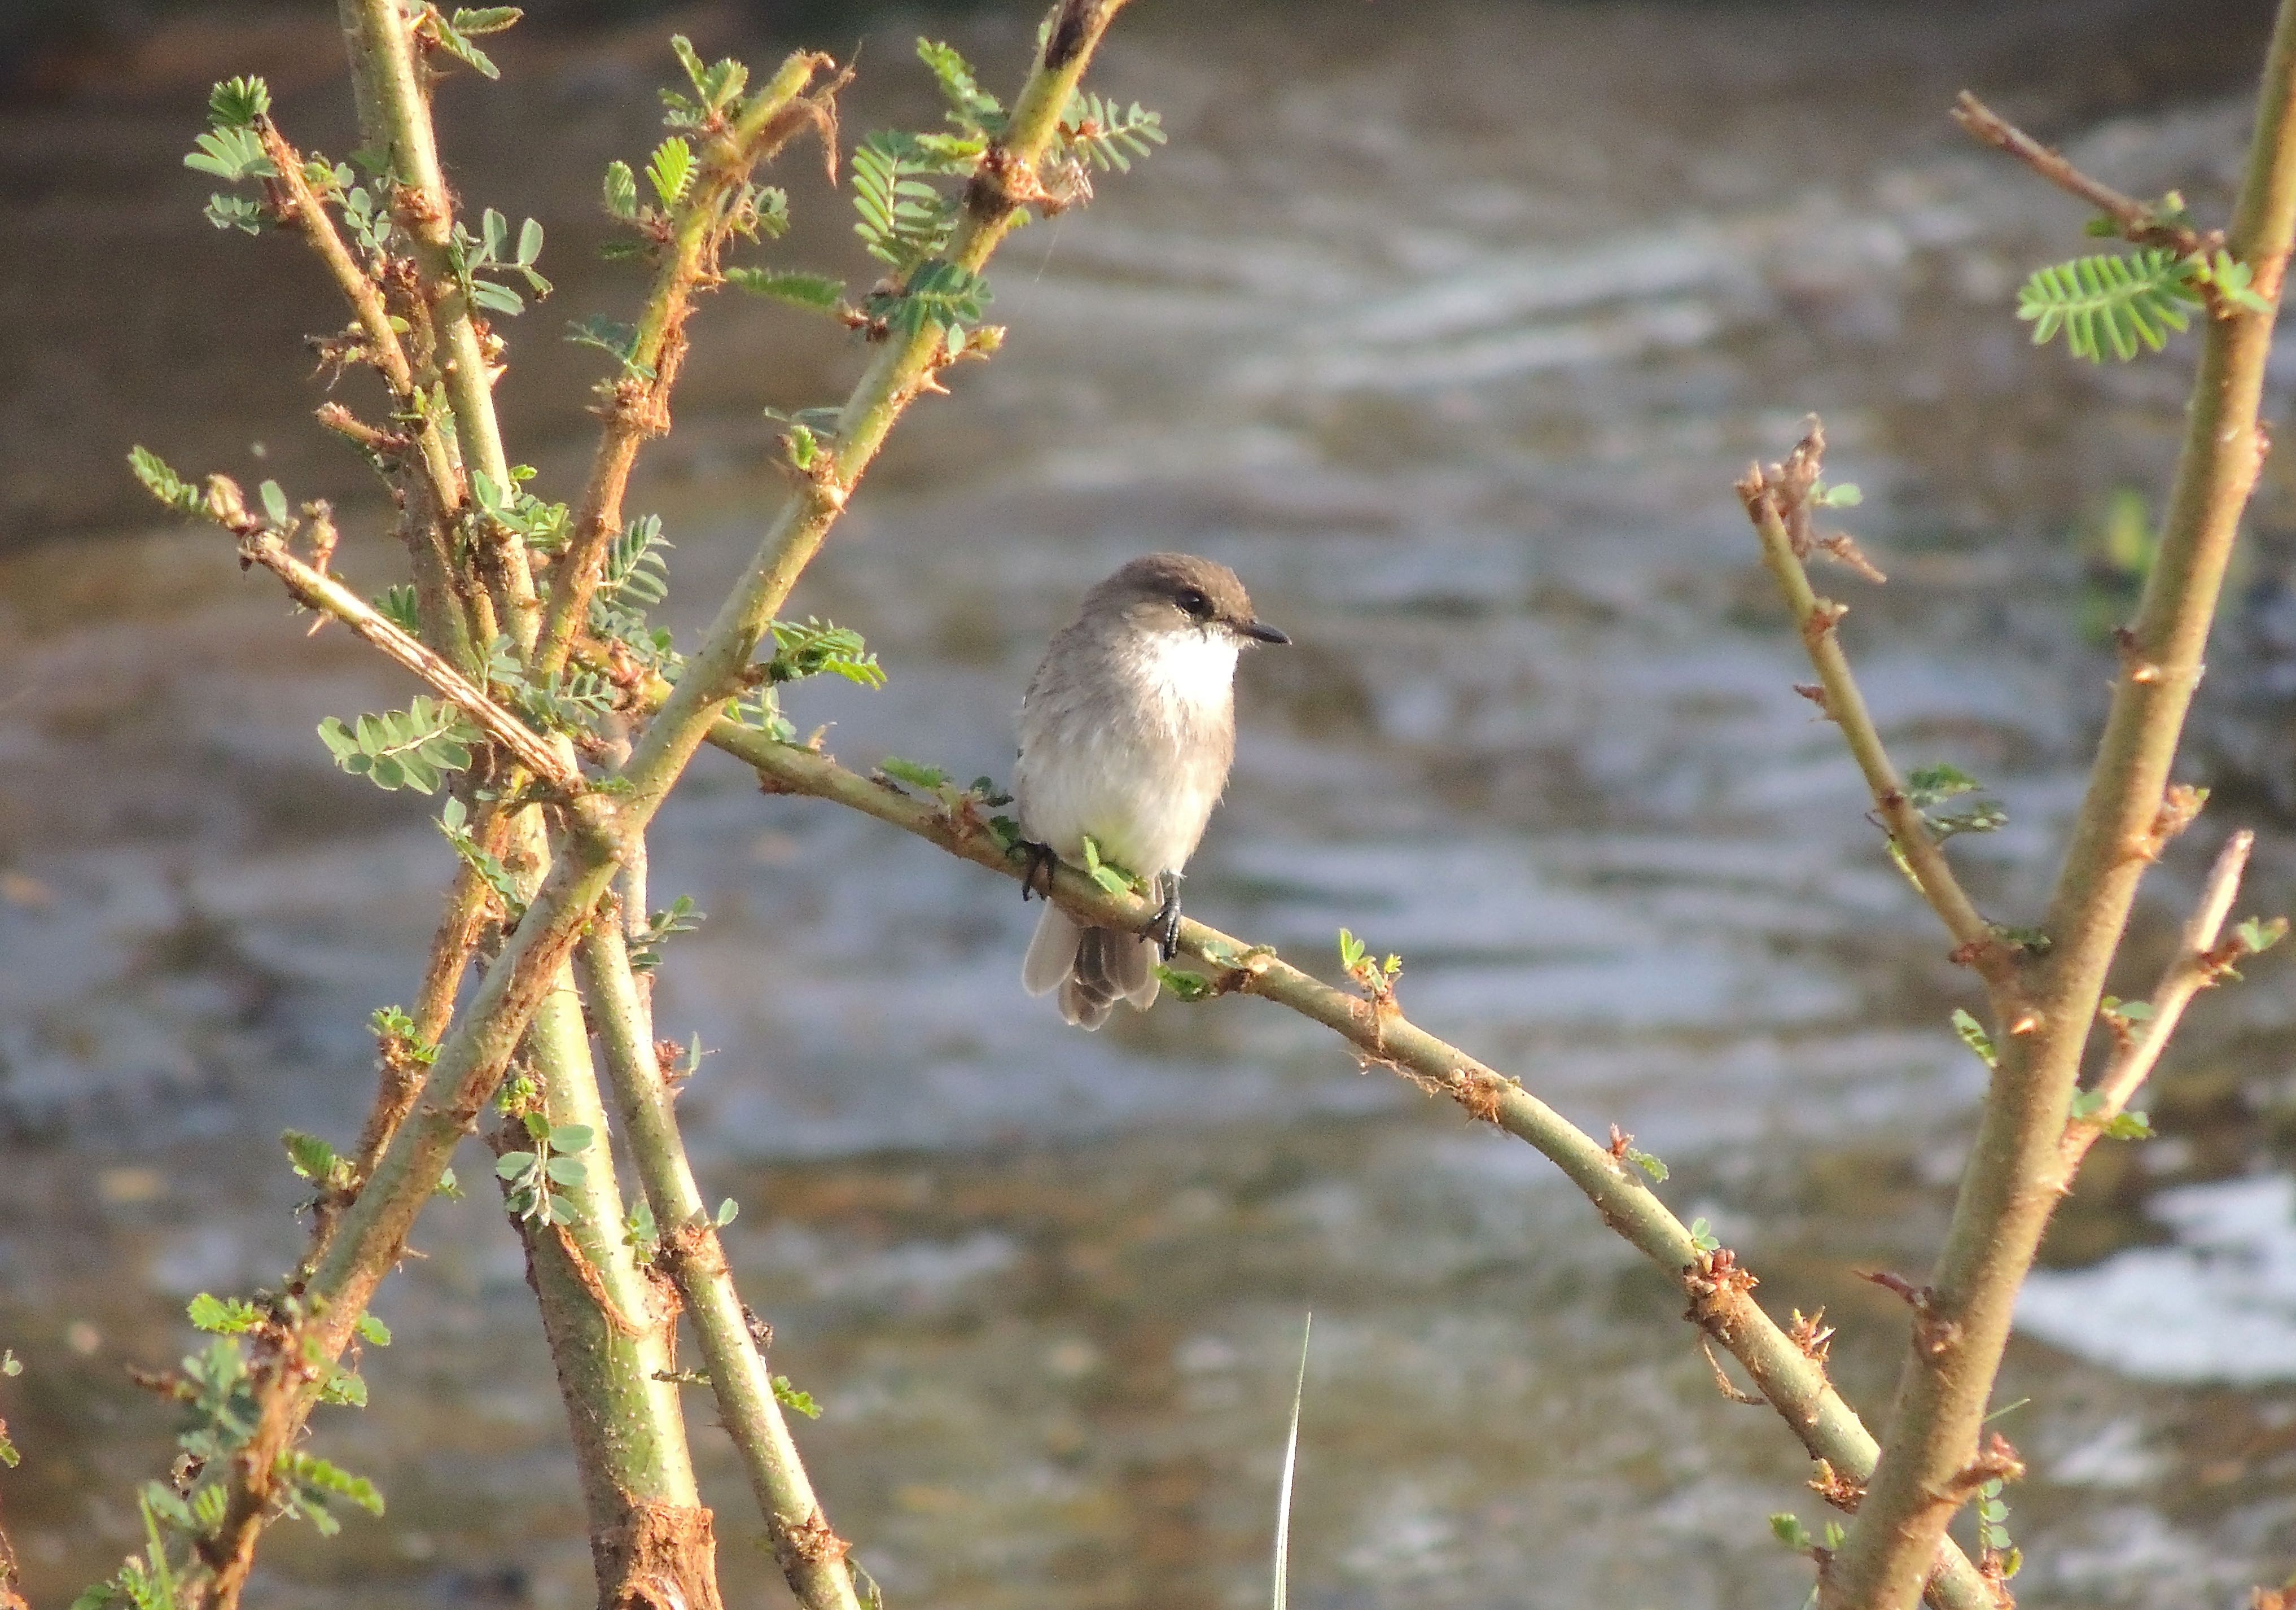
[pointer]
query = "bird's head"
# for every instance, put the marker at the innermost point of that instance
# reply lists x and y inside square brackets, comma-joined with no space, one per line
[1180,592]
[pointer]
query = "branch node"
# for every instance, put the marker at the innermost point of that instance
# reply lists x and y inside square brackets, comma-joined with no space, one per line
[1714,1281]
[1821,619]
[1934,1334]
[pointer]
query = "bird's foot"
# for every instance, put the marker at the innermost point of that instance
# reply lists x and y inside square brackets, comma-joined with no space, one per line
[1164,927]
[1042,861]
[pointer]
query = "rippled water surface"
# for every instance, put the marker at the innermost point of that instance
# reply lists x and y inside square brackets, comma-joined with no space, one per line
[1448,327]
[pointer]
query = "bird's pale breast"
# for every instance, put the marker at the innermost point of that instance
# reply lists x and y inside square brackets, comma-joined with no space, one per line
[1130,745]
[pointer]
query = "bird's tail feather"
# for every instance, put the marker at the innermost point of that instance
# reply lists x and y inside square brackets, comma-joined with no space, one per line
[1092,968]
[1052,954]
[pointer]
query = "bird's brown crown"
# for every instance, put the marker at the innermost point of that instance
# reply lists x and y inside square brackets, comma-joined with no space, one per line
[1202,590]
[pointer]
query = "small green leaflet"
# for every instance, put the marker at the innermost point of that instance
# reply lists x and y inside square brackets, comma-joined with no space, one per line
[1973,1035]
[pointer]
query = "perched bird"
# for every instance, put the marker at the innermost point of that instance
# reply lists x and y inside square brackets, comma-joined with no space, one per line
[1126,731]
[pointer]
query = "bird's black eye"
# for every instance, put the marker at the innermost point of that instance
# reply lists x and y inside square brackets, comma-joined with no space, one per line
[1194,603]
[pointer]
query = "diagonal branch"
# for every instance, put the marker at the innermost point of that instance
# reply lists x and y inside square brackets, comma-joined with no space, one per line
[2203,958]
[442,478]
[2139,222]
[315,589]
[639,406]
[1792,1379]
[1777,501]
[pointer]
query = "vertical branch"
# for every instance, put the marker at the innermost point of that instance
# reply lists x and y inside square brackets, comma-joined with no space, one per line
[812,1555]
[649,1538]
[395,116]
[2016,1171]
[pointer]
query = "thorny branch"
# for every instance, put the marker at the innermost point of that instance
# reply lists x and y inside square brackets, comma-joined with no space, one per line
[258,545]
[811,1554]
[395,112]
[600,830]
[1788,1369]
[638,406]
[2139,223]
[2203,959]
[2016,1170]
[1777,500]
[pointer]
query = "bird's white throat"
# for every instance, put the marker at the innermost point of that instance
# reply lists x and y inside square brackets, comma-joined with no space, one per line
[1188,671]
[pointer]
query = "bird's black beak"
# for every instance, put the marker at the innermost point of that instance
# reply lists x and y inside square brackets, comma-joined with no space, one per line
[1260,631]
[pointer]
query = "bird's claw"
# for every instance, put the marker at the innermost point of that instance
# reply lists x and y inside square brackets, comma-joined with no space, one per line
[1042,861]
[1164,927]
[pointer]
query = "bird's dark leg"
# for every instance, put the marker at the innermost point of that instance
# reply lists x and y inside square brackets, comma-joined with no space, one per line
[1164,927]
[1042,861]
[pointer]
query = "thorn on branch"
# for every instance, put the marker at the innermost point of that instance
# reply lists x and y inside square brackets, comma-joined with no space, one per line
[1843,549]
[1996,1461]
[1812,1334]
[1479,1094]
[1821,621]
[1815,692]
[2132,660]
[1934,1334]
[806,1543]
[1843,1492]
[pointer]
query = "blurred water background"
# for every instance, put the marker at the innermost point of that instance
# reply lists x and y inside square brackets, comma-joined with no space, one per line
[1447,325]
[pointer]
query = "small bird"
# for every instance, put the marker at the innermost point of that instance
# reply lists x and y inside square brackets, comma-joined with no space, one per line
[1126,731]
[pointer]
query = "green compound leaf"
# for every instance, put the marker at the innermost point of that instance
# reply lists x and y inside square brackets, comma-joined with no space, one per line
[634,571]
[903,220]
[454,37]
[790,1398]
[413,748]
[237,102]
[2120,303]
[313,1487]
[1094,131]
[814,292]
[939,293]
[396,603]
[609,335]
[916,774]
[821,646]
[232,154]
[224,1316]
[1184,987]
[970,107]
[164,484]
